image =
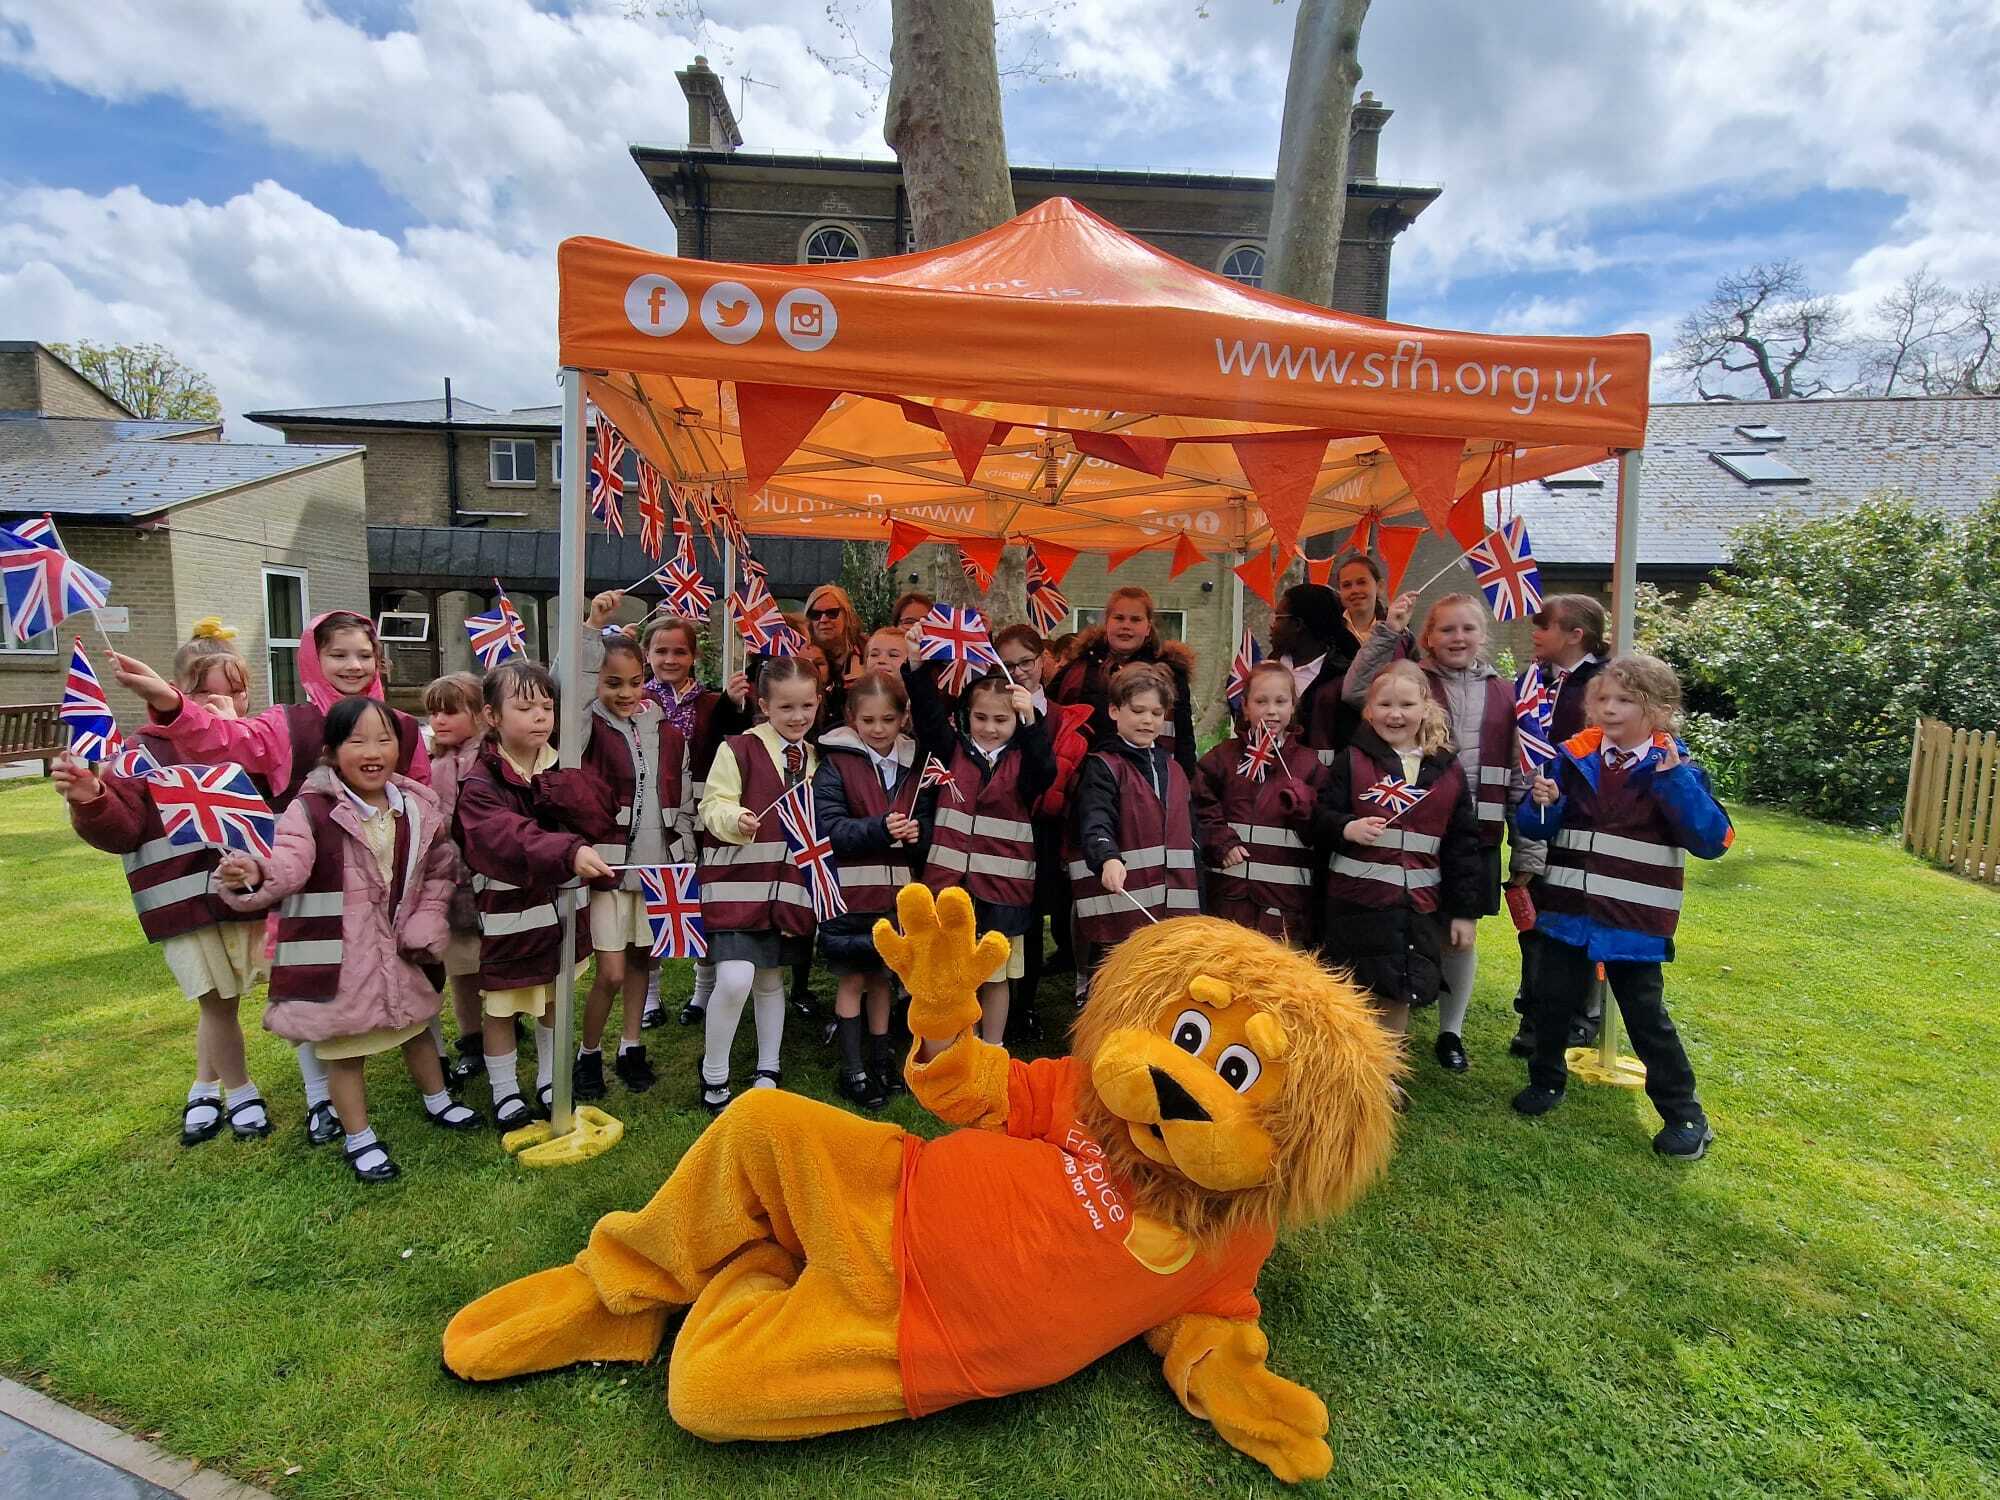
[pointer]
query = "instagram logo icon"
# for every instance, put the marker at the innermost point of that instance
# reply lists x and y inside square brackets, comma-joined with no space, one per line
[806,320]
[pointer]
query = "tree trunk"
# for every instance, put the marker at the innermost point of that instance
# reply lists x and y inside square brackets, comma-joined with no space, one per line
[1308,210]
[1310,200]
[943,122]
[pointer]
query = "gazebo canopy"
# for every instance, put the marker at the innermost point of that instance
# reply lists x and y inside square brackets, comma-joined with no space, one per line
[1058,379]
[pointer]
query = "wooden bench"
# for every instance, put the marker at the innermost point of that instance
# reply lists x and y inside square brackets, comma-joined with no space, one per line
[31,731]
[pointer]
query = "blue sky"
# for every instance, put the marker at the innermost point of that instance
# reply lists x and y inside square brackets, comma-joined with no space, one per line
[325,202]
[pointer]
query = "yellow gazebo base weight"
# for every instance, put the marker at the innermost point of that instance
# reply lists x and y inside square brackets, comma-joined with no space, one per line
[595,1133]
[1587,1063]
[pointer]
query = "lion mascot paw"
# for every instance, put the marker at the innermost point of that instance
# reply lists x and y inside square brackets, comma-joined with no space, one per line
[837,1272]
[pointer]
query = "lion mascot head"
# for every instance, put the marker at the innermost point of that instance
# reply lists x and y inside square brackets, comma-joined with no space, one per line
[1235,1081]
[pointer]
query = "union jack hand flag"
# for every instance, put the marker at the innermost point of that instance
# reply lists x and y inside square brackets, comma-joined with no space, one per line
[652,514]
[133,762]
[936,773]
[1505,570]
[607,485]
[1046,604]
[1248,654]
[811,853]
[1260,752]
[85,712]
[1396,794]
[974,571]
[693,500]
[40,531]
[43,586]
[672,897]
[214,805]
[956,635]
[1534,712]
[761,623]
[687,595]
[497,636]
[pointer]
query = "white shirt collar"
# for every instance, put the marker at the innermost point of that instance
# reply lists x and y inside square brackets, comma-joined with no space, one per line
[367,810]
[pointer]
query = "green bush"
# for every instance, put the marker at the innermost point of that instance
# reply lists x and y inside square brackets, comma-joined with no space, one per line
[1808,664]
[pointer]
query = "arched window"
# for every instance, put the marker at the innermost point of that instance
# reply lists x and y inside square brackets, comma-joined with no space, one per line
[1244,263]
[826,243]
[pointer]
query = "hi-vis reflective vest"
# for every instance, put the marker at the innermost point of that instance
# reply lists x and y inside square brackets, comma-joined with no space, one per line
[171,884]
[986,842]
[1271,890]
[306,963]
[755,887]
[1156,844]
[869,882]
[1614,860]
[1401,867]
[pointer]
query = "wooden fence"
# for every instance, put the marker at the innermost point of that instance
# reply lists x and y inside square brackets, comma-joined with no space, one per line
[1951,812]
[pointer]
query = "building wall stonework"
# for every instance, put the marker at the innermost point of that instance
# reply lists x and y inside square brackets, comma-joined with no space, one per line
[64,393]
[18,390]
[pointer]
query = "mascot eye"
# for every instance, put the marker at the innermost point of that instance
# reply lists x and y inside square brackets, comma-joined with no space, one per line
[1191,1031]
[1238,1067]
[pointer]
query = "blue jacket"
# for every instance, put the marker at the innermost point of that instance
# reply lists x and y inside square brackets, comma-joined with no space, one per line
[1697,820]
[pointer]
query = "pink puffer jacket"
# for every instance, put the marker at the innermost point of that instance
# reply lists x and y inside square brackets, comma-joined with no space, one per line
[379,984]
[449,769]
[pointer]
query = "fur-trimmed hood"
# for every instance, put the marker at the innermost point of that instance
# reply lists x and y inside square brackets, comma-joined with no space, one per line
[1178,656]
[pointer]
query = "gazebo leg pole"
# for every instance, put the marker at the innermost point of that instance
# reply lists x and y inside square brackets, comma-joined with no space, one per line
[1604,1064]
[724,646]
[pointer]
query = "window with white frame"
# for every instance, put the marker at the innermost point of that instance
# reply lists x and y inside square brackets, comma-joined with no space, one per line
[284,627]
[35,645]
[1244,263]
[825,244]
[510,461]
[555,463]
[1171,623]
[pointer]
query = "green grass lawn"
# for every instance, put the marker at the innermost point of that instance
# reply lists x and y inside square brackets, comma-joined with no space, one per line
[1523,1309]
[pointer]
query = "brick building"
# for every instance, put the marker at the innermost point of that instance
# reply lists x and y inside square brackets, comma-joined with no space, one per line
[183,524]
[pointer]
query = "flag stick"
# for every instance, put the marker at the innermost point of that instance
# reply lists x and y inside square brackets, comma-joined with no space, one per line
[103,634]
[1443,570]
[1141,910]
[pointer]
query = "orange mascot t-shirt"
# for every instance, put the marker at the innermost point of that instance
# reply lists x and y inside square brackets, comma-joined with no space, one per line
[1013,1259]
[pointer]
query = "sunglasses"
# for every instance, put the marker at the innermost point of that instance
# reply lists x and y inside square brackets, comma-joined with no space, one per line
[824,614]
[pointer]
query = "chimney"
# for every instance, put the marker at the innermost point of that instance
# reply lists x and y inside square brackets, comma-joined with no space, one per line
[1364,136]
[711,122]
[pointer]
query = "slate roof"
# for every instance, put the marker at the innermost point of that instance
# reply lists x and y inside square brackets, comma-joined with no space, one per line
[468,414]
[94,467]
[456,557]
[1943,452]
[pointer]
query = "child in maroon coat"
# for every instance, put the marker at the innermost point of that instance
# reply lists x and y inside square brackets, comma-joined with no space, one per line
[519,829]
[1255,821]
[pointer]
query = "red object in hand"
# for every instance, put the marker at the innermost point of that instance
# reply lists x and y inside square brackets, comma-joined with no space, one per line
[1521,907]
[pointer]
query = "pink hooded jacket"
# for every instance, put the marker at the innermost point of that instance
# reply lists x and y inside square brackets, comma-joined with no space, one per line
[263,745]
[448,773]
[379,985]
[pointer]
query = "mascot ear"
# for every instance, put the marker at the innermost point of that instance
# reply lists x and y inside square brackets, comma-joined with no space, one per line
[1211,991]
[1267,1036]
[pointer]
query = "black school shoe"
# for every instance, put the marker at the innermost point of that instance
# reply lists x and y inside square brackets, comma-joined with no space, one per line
[512,1113]
[692,1014]
[385,1170]
[1535,1100]
[1450,1052]
[194,1135]
[634,1071]
[456,1116]
[1523,1044]
[587,1076]
[653,1017]
[322,1124]
[864,1089]
[470,1062]
[1685,1140]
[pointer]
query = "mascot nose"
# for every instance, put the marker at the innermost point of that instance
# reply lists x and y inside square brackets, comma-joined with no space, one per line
[1176,1103]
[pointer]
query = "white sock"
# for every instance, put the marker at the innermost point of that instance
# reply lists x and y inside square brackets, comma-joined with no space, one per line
[724,1011]
[590,1051]
[704,984]
[365,1151]
[1461,967]
[313,1071]
[625,1046]
[545,1057]
[437,1103]
[653,990]
[500,1073]
[767,998]
[209,1095]
[249,1119]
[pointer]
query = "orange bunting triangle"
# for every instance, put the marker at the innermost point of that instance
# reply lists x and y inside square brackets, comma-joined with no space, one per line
[1283,474]
[1357,539]
[904,538]
[1148,455]
[969,436]
[1186,555]
[985,551]
[1260,575]
[1429,465]
[1467,523]
[1398,544]
[1056,561]
[1116,560]
[773,420]
[1319,570]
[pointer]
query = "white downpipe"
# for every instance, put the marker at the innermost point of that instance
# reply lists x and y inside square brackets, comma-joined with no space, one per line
[1625,558]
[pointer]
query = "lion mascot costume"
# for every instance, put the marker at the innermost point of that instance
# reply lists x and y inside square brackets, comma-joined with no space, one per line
[837,1271]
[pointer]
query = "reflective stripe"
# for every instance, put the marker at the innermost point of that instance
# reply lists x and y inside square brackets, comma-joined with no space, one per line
[760,892]
[1494,775]
[611,854]
[484,883]
[1610,888]
[1396,875]
[1252,869]
[513,923]
[999,866]
[1152,859]
[1403,838]
[167,892]
[745,854]
[866,875]
[316,952]
[1109,904]
[1491,812]
[985,825]
[1327,757]
[312,904]
[1617,846]
[624,817]
[155,851]
[1257,833]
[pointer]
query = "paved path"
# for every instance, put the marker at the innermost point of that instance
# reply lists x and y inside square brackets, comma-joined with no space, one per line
[49,1451]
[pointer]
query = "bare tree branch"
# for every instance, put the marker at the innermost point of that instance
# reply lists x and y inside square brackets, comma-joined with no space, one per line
[1765,322]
